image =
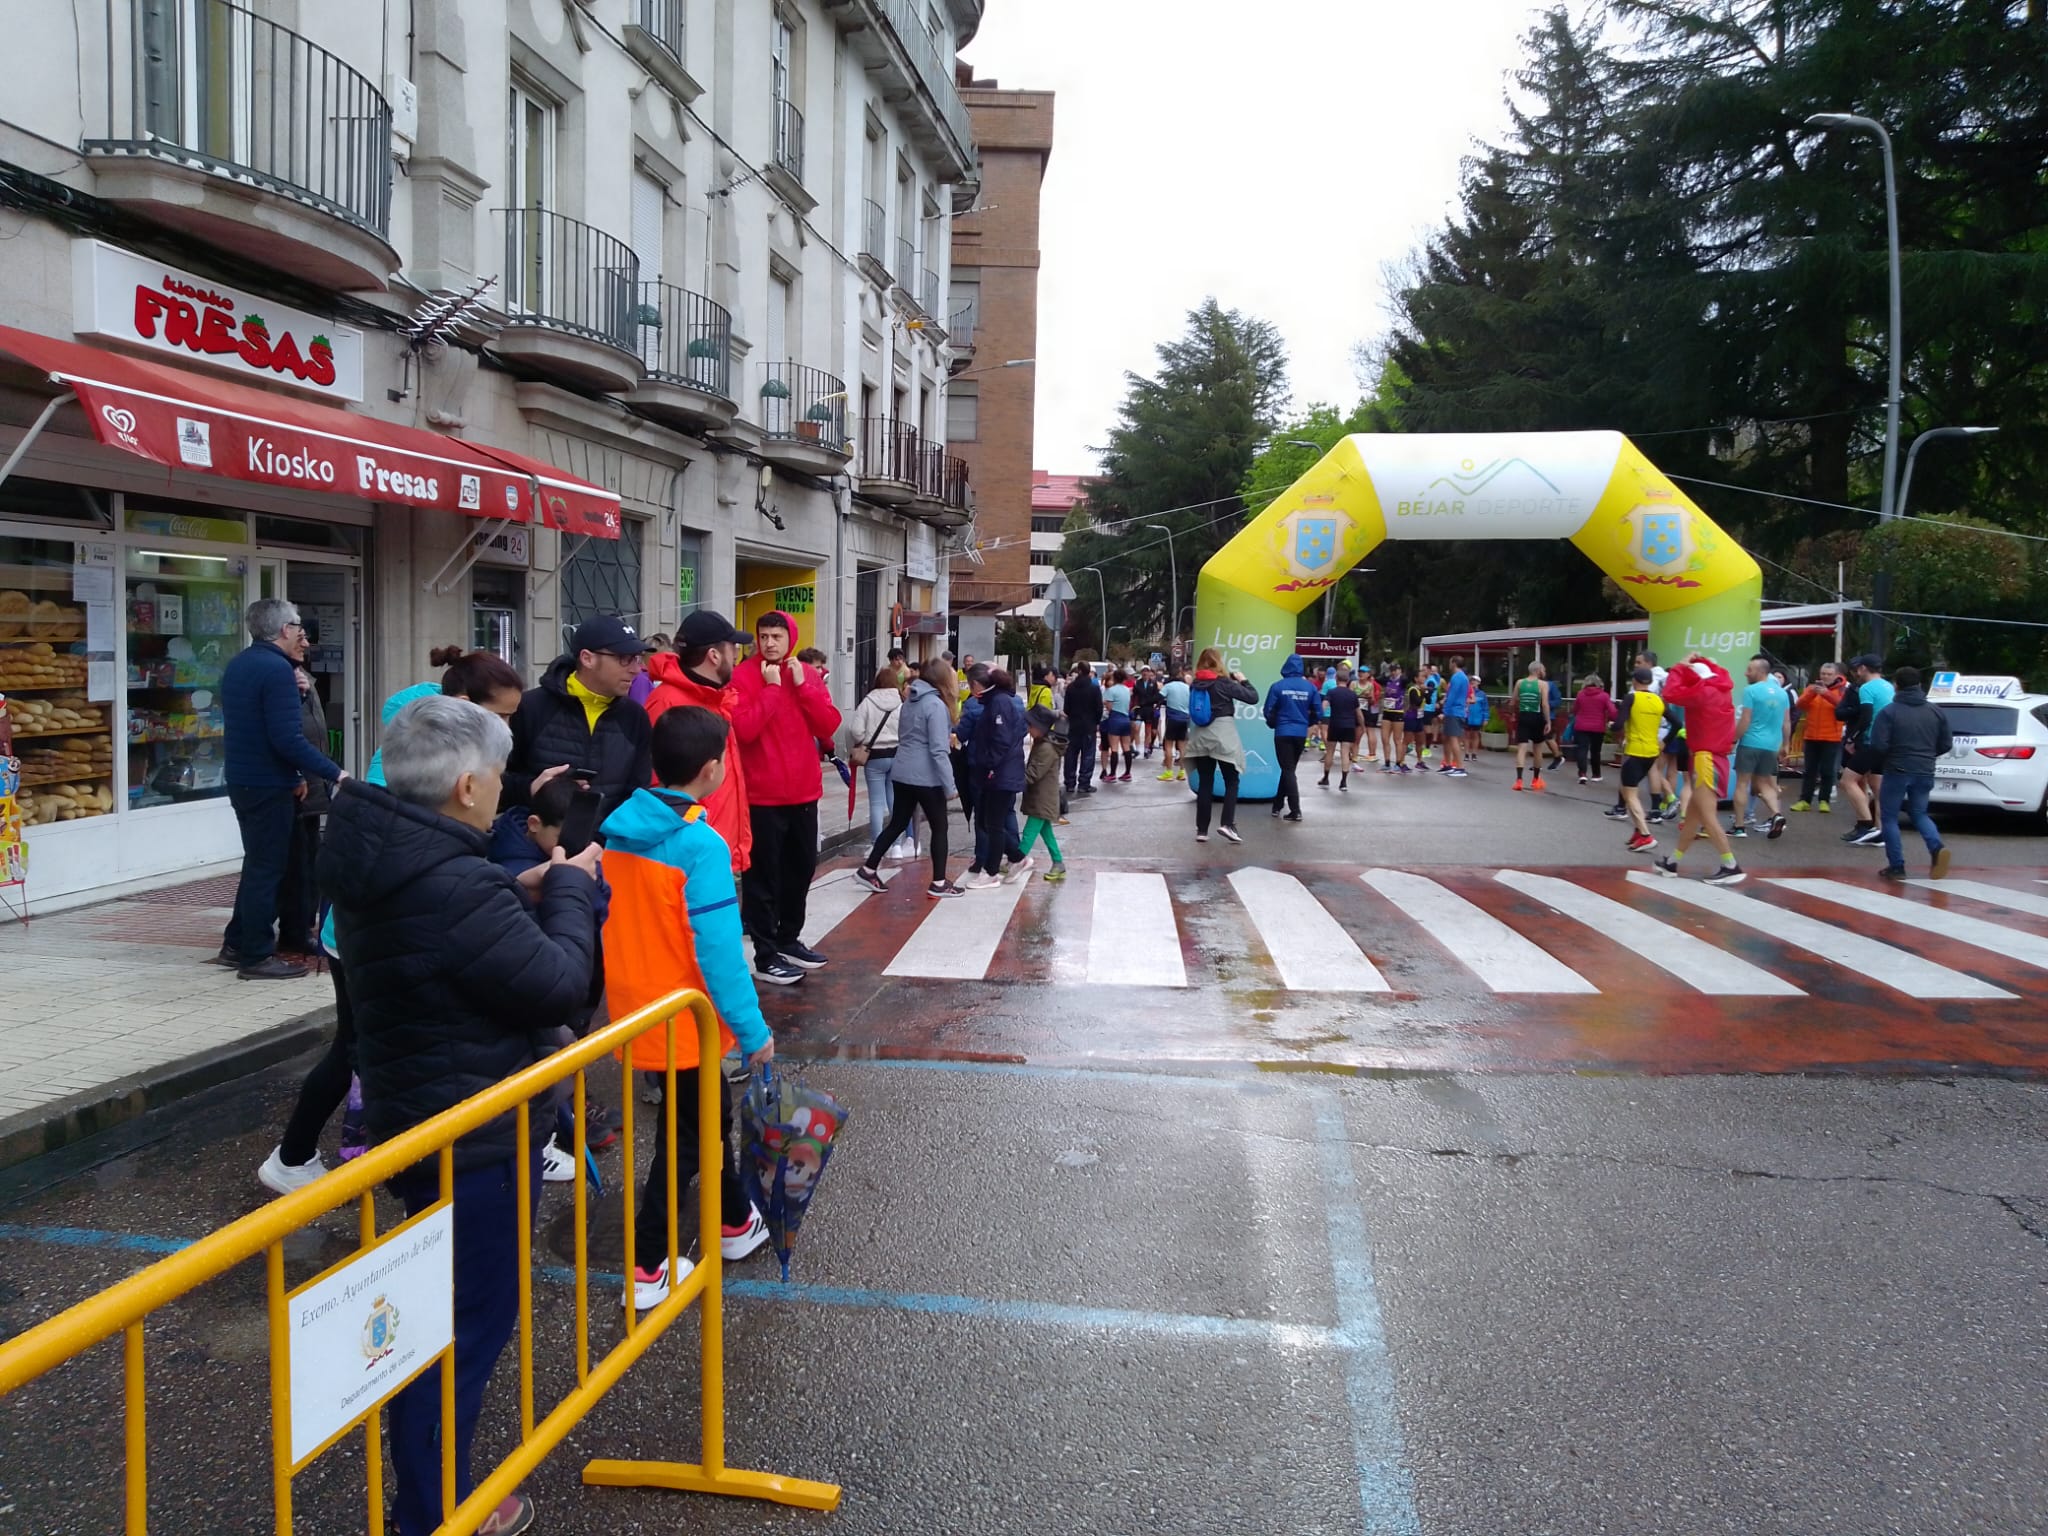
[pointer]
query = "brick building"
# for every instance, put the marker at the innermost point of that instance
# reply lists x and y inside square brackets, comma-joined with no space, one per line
[1053,499]
[991,401]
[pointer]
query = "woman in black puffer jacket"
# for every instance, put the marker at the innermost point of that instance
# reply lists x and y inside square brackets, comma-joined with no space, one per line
[456,984]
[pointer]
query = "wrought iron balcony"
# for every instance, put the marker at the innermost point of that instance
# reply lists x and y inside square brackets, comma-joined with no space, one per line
[928,294]
[210,92]
[905,269]
[889,461]
[941,493]
[655,38]
[685,344]
[802,414]
[572,299]
[789,139]
[662,20]
[874,242]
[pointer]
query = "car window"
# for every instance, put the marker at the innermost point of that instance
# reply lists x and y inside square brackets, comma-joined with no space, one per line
[1982,719]
[2041,713]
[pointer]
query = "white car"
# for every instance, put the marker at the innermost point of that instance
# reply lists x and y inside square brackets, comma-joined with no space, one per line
[2000,758]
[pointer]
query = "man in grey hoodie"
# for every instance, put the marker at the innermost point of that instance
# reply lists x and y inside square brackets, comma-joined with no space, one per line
[1908,735]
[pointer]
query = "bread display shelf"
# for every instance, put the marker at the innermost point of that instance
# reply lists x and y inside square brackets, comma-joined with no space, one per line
[7,687]
[64,730]
[74,776]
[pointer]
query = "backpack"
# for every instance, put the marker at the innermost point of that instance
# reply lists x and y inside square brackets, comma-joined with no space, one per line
[1201,707]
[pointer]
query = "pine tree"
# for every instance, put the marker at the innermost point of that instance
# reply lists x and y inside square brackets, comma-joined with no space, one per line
[1177,456]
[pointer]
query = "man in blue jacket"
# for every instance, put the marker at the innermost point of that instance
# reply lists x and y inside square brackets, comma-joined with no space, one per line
[269,764]
[1292,706]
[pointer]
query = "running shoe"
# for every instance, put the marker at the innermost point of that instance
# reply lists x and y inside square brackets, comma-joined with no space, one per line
[777,971]
[1018,870]
[937,892]
[1181,774]
[1404,768]
[1537,783]
[1125,777]
[1728,874]
[1738,830]
[1201,837]
[1871,839]
[1801,805]
[1520,786]
[980,882]
[1775,828]
[1344,783]
[1323,782]
[1456,773]
[1941,858]
[1855,833]
[1294,815]
[1616,813]
[1168,774]
[1892,872]
[283,1178]
[1056,874]
[803,955]
[1642,842]
[557,1166]
[737,1242]
[650,1286]
[1582,778]
[1229,834]
[1823,808]
[869,880]
[1667,867]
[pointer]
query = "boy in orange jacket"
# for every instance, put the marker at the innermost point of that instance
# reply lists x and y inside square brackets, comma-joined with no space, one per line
[675,922]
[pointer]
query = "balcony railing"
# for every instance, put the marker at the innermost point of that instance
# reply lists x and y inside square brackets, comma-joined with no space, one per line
[662,20]
[904,268]
[874,233]
[928,294]
[561,272]
[685,338]
[789,138]
[803,403]
[906,20]
[216,84]
[960,325]
[889,450]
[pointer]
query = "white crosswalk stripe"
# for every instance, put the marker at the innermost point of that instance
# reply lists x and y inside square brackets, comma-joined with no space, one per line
[832,900]
[1874,960]
[2000,940]
[1133,940]
[1478,940]
[959,936]
[1692,960]
[1996,895]
[1309,947]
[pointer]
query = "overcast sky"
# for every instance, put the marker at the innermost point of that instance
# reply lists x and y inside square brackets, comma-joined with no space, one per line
[1275,153]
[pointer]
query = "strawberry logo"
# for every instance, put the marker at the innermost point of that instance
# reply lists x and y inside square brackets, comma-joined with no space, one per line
[320,360]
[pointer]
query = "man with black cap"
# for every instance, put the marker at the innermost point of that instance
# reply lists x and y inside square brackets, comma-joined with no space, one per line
[700,673]
[581,718]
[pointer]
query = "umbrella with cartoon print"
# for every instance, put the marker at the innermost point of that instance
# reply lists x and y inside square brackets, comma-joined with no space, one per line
[786,1134]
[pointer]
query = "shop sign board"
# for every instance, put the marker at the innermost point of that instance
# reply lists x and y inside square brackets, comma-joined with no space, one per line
[505,546]
[368,1326]
[120,296]
[1327,648]
[921,553]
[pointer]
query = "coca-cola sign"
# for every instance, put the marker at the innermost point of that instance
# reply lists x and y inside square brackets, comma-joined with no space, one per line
[128,298]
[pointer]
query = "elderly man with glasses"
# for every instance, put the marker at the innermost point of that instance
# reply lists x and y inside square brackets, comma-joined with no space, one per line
[269,759]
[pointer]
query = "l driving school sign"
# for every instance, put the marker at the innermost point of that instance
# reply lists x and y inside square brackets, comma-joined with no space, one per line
[124,297]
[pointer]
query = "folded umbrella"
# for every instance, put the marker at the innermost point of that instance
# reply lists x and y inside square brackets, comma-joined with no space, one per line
[786,1135]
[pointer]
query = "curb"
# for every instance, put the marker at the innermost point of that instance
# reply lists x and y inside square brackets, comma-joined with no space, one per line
[62,1122]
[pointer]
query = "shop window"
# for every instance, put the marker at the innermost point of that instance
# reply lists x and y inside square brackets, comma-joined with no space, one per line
[689,573]
[603,576]
[63,734]
[49,501]
[184,624]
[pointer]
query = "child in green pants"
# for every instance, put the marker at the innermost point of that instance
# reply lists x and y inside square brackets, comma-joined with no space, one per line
[1042,784]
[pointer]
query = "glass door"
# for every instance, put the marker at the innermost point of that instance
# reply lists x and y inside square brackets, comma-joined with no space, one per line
[184,619]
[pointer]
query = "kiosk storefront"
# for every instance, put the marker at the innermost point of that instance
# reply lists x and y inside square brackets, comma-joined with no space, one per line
[122,590]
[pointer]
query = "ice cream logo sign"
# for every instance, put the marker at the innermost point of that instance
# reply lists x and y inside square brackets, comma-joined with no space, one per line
[121,296]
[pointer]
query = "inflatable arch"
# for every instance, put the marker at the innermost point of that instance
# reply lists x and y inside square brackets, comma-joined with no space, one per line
[1703,592]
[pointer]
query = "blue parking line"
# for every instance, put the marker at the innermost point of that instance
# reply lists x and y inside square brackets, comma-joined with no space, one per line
[1386,1488]
[1240,1081]
[1042,1314]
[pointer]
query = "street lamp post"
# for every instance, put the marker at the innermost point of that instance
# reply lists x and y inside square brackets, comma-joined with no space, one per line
[1887,504]
[1173,566]
[1912,453]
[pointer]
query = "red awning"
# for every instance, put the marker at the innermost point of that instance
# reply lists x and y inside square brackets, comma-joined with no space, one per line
[185,420]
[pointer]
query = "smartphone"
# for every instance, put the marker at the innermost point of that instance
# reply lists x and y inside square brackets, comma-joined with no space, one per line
[579,827]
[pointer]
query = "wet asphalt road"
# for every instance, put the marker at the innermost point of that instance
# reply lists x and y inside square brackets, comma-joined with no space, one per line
[1177,1294]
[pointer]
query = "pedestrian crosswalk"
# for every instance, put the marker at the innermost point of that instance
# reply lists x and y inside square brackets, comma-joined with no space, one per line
[1507,932]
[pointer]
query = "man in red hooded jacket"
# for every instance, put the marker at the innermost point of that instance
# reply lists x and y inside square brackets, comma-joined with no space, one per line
[1705,691]
[783,712]
[700,672]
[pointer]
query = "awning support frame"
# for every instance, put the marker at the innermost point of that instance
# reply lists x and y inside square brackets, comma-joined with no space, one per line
[35,431]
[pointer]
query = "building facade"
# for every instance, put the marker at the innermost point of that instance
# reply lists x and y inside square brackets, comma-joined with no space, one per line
[659,284]
[994,397]
[1053,499]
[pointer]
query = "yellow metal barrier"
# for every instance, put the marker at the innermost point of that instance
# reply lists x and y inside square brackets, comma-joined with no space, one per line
[123,1308]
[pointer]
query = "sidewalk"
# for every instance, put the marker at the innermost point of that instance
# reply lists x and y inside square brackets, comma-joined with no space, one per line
[113,1009]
